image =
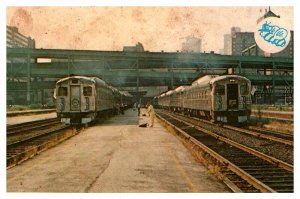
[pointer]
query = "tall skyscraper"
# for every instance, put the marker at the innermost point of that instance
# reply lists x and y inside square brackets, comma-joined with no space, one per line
[227,44]
[241,41]
[228,40]
[234,30]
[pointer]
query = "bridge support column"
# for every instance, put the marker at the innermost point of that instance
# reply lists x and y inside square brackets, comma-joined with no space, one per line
[42,92]
[240,68]
[273,83]
[28,80]
[137,82]
[172,75]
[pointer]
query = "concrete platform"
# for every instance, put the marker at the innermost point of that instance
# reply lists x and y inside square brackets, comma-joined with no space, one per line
[28,118]
[29,112]
[115,156]
[273,115]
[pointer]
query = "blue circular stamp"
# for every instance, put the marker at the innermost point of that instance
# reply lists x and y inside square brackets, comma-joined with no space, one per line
[272,35]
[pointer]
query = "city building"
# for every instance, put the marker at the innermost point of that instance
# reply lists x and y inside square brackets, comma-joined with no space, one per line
[221,51]
[234,30]
[244,43]
[288,51]
[227,44]
[241,41]
[228,40]
[137,48]
[191,44]
[14,39]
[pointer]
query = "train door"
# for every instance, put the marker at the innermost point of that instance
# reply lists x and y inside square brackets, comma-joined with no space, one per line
[75,98]
[232,96]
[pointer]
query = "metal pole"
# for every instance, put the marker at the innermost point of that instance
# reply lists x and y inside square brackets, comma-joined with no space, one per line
[240,67]
[273,82]
[28,80]
[137,81]
[256,50]
[11,70]
[68,66]
[172,77]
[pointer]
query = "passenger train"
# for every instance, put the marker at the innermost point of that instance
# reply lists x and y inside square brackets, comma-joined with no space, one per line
[225,99]
[81,99]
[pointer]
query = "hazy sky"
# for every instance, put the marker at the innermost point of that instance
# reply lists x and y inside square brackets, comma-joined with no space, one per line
[157,28]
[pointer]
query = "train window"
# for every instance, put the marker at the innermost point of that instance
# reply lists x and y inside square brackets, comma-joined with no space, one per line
[244,90]
[87,91]
[62,91]
[220,90]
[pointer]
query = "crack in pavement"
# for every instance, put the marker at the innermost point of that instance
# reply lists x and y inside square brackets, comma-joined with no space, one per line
[88,188]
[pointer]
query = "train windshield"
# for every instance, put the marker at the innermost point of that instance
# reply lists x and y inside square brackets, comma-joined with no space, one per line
[62,91]
[87,91]
[244,89]
[220,90]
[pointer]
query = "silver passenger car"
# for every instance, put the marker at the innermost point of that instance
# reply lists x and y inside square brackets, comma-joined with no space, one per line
[80,99]
[218,98]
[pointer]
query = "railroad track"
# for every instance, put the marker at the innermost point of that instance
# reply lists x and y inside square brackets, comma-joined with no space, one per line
[30,126]
[25,131]
[272,146]
[28,139]
[280,137]
[244,169]
[262,133]
[283,135]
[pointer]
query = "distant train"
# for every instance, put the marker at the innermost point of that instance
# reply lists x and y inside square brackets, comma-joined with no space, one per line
[80,99]
[225,99]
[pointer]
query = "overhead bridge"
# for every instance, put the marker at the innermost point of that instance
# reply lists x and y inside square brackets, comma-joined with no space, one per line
[136,69]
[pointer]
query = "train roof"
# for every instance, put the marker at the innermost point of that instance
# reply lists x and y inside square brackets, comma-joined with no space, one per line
[228,76]
[114,89]
[210,79]
[204,80]
[163,94]
[84,78]
[169,92]
[179,88]
[126,93]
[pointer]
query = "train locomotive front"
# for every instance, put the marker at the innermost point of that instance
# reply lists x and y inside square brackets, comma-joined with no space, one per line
[77,101]
[231,99]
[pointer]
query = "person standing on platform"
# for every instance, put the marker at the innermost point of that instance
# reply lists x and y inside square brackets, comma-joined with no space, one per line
[139,109]
[150,111]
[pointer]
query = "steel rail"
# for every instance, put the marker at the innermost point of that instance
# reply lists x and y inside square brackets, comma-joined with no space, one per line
[36,136]
[260,135]
[32,127]
[246,131]
[239,171]
[250,179]
[255,128]
[263,156]
[26,124]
